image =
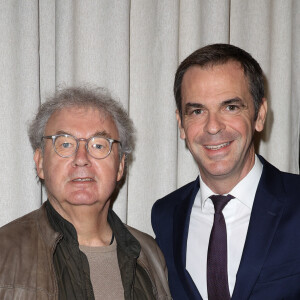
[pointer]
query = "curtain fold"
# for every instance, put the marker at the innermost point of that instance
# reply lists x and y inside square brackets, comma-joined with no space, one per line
[133,48]
[19,90]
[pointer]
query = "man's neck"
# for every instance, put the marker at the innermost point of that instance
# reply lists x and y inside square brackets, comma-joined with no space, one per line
[89,221]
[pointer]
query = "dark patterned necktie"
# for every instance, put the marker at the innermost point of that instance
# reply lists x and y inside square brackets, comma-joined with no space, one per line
[217,278]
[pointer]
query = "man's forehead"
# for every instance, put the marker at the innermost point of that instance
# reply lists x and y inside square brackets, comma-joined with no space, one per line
[211,66]
[216,85]
[230,73]
[79,112]
[80,109]
[71,117]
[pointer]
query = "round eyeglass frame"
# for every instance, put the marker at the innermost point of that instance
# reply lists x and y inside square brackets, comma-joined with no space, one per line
[54,137]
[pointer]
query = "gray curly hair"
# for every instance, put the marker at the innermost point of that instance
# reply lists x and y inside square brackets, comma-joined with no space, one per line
[98,98]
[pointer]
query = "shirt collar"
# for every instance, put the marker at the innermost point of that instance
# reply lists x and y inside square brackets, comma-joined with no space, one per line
[244,191]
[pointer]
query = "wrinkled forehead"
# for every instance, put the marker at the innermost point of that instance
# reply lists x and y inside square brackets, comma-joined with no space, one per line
[73,116]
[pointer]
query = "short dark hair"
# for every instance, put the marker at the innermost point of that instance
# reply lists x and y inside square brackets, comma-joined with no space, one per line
[218,54]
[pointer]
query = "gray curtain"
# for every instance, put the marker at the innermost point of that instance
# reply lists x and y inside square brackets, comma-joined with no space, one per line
[133,48]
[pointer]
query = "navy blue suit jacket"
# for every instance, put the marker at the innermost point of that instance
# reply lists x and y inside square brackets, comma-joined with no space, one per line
[270,263]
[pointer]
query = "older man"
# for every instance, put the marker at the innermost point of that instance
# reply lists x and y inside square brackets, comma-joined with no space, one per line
[233,233]
[75,246]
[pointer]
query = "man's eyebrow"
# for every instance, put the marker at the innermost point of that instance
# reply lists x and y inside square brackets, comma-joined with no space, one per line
[191,105]
[61,132]
[233,101]
[97,133]
[102,133]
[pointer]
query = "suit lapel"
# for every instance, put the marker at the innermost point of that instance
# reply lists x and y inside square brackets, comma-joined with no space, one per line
[265,216]
[180,233]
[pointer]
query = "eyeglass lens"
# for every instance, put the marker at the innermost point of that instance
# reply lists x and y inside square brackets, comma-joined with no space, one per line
[98,147]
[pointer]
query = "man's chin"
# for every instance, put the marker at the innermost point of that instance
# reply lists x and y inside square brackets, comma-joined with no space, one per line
[82,201]
[218,169]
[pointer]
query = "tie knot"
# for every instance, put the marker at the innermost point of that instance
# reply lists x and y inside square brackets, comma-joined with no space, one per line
[220,202]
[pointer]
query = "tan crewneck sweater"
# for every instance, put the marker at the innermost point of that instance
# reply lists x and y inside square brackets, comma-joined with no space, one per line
[104,271]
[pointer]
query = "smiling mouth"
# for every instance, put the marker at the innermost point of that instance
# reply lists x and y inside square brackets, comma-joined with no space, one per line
[82,179]
[217,147]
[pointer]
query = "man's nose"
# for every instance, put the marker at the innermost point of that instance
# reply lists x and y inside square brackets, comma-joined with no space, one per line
[214,123]
[81,157]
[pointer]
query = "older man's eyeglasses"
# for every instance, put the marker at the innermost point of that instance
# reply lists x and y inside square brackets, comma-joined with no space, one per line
[66,145]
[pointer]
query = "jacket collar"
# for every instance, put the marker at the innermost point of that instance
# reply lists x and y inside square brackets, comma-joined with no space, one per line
[61,225]
[49,235]
[128,250]
[265,216]
[180,233]
[126,242]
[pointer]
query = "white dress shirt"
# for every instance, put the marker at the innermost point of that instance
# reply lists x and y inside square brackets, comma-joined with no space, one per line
[237,215]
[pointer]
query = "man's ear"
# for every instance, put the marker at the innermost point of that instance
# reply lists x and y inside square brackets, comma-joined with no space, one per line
[179,121]
[38,159]
[121,168]
[261,116]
